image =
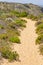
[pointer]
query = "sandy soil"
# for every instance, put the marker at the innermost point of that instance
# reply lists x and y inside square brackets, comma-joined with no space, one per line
[27,50]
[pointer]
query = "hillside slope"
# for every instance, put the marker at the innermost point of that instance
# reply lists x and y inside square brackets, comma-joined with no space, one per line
[29,8]
[28,51]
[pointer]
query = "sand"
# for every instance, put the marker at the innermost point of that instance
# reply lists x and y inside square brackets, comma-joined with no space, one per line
[28,51]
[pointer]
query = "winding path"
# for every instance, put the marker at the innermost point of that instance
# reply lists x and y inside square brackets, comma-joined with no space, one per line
[27,50]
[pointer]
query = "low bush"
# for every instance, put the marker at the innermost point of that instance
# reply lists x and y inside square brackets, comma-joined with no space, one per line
[1,26]
[23,14]
[3,36]
[7,53]
[40,16]
[38,23]
[32,17]
[39,39]
[41,49]
[14,13]
[14,39]
[20,23]
[18,14]
[39,29]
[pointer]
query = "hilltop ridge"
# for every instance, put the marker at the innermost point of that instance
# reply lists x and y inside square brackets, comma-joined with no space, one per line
[29,8]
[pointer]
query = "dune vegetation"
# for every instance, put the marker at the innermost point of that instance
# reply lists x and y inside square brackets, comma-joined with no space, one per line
[10,22]
[39,31]
[31,16]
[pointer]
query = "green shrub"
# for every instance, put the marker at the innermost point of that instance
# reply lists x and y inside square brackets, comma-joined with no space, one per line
[4,45]
[12,25]
[14,13]
[32,17]
[41,49]
[1,26]
[14,39]
[38,23]
[40,16]
[3,36]
[39,29]
[18,14]
[6,52]
[23,14]
[20,23]
[13,56]
[39,39]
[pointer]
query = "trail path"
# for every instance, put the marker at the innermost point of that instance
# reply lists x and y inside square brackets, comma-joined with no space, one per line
[27,50]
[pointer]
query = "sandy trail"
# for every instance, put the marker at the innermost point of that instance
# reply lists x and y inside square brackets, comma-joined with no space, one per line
[27,50]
